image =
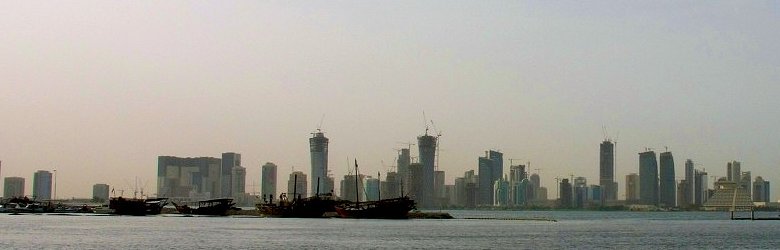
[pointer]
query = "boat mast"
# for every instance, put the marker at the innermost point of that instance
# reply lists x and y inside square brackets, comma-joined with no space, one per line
[379,190]
[357,190]
[295,185]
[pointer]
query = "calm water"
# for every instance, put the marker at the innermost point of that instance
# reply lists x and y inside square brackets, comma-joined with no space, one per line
[572,230]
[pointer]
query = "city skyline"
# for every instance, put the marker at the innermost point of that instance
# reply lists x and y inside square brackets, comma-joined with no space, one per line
[98,90]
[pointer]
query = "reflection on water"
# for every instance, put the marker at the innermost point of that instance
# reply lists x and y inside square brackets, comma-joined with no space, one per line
[574,229]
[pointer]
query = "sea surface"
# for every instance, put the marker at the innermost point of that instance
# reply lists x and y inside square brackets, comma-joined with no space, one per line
[571,229]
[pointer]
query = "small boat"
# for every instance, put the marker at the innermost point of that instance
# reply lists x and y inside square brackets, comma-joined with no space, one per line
[311,207]
[25,205]
[395,208]
[135,206]
[208,207]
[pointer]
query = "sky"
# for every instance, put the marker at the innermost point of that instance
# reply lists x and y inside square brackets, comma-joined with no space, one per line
[98,89]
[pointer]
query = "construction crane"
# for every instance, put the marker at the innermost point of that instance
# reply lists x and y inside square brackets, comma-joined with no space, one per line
[511,161]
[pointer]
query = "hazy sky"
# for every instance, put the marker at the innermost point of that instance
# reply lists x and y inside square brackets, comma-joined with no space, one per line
[97,90]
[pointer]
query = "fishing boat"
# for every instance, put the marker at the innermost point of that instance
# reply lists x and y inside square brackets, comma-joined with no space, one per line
[311,207]
[137,206]
[26,205]
[208,207]
[394,208]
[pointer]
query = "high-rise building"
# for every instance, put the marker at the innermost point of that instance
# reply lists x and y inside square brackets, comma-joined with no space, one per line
[682,194]
[700,192]
[427,147]
[580,194]
[498,164]
[565,197]
[416,181]
[13,187]
[100,192]
[501,192]
[472,189]
[485,168]
[689,179]
[666,187]
[745,182]
[268,181]
[351,188]
[607,171]
[632,188]
[648,178]
[536,187]
[390,187]
[230,160]
[460,192]
[189,177]
[42,185]
[760,190]
[372,189]
[518,185]
[404,159]
[318,147]
[440,193]
[238,182]
[733,171]
[296,185]
[541,194]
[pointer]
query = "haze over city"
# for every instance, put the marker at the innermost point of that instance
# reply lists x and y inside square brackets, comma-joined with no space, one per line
[98,90]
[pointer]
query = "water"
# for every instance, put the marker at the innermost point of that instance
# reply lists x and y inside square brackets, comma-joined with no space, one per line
[574,229]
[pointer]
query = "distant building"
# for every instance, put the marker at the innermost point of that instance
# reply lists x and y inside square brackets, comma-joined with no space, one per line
[733,171]
[632,188]
[667,190]
[13,187]
[607,171]
[595,193]
[404,159]
[100,192]
[501,192]
[296,185]
[746,182]
[427,146]
[351,189]
[701,187]
[541,194]
[485,168]
[580,195]
[318,148]
[230,160]
[648,175]
[440,194]
[268,180]
[372,189]
[683,197]
[189,177]
[760,190]
[689,179]
[416,180]
[536,187]
[565,197]
[390,187]
[518,185]
[42,181]
[238,182]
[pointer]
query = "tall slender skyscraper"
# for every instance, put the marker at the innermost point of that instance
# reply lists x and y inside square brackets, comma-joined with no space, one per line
[700,187]
[404,159]
[666,188]
[760,190]
[648,178]
[632,188]
[238,182]
[733,171]
[485,184]
[268,180]
[318,146]
[689,178]
[296,185]
[229,161]
[42,185]
[427,147]
[607,171]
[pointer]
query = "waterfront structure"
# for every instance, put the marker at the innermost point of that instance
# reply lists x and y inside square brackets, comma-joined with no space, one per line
[689,179]
[194,178]
[318,149]
[238,182]
[733,171]
[648,178]
[13,187]
[666,186]
[729,195]
[42,181]
[100,192]
[485,194]
[700,192]
[296,185]
[760,190]
[565,196]
[632,188]
[427,152]
[607,171]
[350,191]
[230,160]
[268,180]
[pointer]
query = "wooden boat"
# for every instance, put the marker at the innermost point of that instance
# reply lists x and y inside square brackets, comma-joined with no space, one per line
[395,208]
[310,207]
[208,207]
[136,206]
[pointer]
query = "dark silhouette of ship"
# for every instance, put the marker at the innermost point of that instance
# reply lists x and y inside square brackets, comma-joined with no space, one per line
[208,207]
[395,208]
[311,207]
[137,206]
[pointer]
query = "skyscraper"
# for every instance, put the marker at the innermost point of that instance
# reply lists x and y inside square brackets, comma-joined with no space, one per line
[745,182]
[100,192]
[42,185]
[535,185]
[438,188]
[580,194]
[318,147]
[404,159]
[268,180]
[689,178]
[565,194]
[238,182]
[648,178]
[13,187]
[372,189]
[427,147]
[296,185]
[229,161]
[189,177]
[351,188]
[485,193]
[666,188]
[632,188]
[700,187]
[733,171]
[498,164]
[415,181]
[760,190]
[607,171]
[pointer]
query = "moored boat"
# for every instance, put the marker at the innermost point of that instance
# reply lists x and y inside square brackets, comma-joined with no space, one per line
[311,207]
[136,206]
[394,208]
[208,207]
